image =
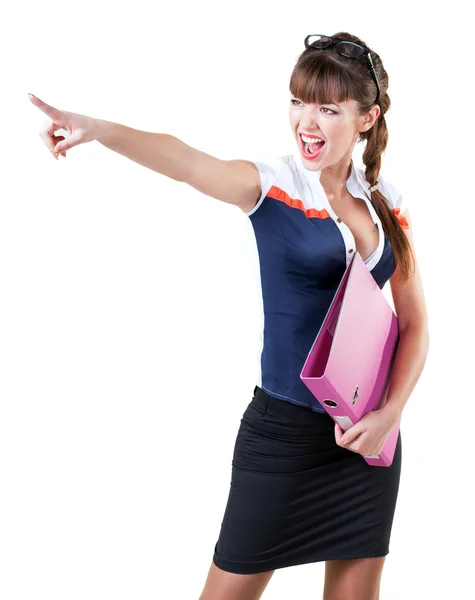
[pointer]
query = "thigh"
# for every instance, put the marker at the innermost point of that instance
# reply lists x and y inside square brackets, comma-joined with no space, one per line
[353,578]
[222,585]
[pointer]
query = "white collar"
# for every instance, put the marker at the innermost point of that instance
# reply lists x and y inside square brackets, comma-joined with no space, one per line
[353,182]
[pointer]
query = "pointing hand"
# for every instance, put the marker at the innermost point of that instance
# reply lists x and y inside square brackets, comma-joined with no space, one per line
[81,128]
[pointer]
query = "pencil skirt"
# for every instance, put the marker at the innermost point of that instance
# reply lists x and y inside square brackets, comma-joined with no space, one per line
[297,497]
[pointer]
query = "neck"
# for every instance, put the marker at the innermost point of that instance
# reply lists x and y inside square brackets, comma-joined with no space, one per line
[334,178]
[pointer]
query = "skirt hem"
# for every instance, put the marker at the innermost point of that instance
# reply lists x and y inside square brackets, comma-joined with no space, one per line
[248,568]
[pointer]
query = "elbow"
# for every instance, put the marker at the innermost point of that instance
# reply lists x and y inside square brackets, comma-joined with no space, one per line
[416,324]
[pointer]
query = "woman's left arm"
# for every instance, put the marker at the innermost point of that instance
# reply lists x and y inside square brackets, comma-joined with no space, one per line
[413,345]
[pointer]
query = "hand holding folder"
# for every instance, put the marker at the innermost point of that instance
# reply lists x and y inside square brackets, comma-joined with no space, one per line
[349,364]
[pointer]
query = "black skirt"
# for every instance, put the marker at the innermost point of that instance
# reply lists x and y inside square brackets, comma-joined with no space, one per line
[297,497]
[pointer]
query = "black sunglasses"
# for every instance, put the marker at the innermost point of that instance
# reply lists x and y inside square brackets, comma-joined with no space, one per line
[348,49]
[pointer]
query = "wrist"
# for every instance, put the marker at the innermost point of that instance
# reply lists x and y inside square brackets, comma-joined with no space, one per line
[103,129]
[391,412]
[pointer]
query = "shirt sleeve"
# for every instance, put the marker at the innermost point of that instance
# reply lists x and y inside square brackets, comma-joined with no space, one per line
[396,201]
[269,170]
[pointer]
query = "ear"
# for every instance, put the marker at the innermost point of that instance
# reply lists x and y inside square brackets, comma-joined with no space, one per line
[369,118]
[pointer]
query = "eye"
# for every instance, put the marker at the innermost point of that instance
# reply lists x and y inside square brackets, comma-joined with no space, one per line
[323,107]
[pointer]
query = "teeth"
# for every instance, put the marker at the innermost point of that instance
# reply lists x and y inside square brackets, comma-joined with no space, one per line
[310,140]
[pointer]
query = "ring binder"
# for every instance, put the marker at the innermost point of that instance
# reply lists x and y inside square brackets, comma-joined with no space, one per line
[349,364]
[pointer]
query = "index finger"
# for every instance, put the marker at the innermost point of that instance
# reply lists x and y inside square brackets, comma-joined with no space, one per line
[53,113]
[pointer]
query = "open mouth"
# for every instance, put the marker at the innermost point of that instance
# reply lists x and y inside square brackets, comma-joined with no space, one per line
[311,151]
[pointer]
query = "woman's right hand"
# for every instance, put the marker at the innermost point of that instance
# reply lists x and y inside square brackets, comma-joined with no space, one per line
[81,128]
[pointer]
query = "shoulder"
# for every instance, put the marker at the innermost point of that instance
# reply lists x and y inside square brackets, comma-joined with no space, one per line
[274,166]
[393,194]
[273,171]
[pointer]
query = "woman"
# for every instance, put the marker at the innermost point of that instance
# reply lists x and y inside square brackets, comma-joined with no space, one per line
[301,491]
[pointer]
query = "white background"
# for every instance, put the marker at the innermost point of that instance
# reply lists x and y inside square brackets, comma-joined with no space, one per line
[130,307]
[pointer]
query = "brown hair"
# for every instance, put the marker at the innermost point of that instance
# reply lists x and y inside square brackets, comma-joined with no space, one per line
[325,76]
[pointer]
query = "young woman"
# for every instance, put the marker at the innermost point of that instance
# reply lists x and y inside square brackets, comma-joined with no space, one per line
[301,491]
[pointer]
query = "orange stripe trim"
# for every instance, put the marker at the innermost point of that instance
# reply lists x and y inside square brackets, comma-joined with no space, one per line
[312,213]
[402,220]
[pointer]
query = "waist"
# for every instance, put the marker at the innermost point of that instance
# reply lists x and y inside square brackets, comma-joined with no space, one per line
[295,413]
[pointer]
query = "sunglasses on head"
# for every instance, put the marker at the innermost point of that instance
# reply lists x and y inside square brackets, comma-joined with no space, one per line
[348,49]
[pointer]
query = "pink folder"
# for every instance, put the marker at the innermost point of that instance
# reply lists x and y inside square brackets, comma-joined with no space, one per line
[349,364]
